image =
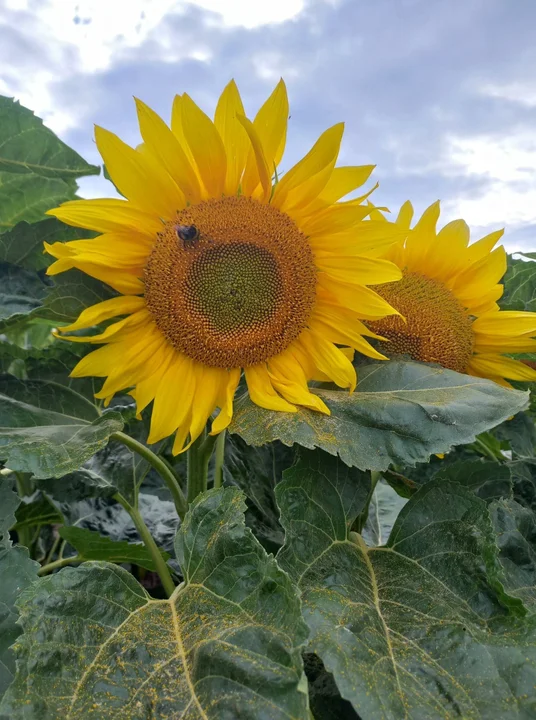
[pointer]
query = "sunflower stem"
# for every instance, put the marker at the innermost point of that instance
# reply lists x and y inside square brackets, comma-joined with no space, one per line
[485,450]
[62,562]
[160,466]
[198,457]
[219,456]
[148,540]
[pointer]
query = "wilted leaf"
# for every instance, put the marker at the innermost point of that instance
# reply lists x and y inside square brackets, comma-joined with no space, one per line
[17,572]
[401,413]
[48,429]
[420,629]
[92,546]
[225,644]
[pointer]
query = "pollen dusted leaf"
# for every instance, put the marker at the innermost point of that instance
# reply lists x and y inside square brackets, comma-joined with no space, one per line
[401,413]
[17,572]
[226,645]
[48,429]
[421,628]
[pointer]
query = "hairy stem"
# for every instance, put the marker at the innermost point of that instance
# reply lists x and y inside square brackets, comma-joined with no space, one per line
[198,458]
[160,466]
[148,540]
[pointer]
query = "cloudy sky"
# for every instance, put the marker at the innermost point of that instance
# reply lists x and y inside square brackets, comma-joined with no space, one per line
[439,94]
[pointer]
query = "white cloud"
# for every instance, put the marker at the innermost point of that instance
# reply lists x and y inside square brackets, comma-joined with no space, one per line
[523,93]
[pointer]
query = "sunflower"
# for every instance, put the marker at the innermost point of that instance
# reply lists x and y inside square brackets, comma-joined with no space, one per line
[219,268]
[448,298]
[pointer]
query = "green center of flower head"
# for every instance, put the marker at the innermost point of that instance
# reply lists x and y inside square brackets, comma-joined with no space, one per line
[231,282]
[236,286]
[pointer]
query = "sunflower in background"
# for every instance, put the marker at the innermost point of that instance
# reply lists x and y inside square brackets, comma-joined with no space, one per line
[448,297]
[220,270]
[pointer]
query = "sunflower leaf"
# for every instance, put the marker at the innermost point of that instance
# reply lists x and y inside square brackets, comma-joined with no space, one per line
[410,629]
[226,644]
[48,429]
[401,412]
[519,286]
[17,572]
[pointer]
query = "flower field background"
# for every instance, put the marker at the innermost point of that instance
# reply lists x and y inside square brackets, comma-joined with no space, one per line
[377,562]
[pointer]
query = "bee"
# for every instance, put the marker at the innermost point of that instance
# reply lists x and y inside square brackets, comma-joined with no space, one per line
[188,235]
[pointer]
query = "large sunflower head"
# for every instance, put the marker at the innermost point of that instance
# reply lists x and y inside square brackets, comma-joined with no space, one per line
[222,266]
[448,297]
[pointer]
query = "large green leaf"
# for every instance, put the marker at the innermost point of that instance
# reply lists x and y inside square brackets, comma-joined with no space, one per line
[515,527]
[37,510]
[21,291]
[519,286]
[27,197]
[256,471]
[48,429]
[489,480]
[23,245]
[419,629]
[28,147]
[17,572]
[401,413]
[226,644]
[92,546]
[385,504]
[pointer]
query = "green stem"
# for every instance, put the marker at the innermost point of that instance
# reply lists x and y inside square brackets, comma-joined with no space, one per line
[23,534]
[152,547]
[160,466]
[197,469]
[486,450]
[219,456]
[45,569]
[363,517]
[53,549]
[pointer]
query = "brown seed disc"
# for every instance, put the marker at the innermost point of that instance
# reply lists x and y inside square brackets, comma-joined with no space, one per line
[231,282]
[437,327]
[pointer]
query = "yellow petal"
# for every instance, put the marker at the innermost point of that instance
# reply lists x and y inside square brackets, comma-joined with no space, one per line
[501,344]
[210,382]
[146,389]
[205,145]
[478,279]
[107,215]
[329,359]
[306,180]
[362,300]
[335,219]
[166,148]
[122,280]
[337,331]
[483,247]
[225,401]
[486,303]
[123,305]
[497,365]
[115,331]
[506,323]
[422,238]
[232,134]
[357,269]
[263,173]
[405,215]
[344,180]
[112,249]
[137,177]
[448,254]
[261,390]
[370,237]
[270,124]
[289,379]
[173,399]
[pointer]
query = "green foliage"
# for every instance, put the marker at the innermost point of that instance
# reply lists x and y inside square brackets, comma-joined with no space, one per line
[17,572]
[92,546]
[409,629]
[403,582]
[401,413]
[48,429]
[225,645]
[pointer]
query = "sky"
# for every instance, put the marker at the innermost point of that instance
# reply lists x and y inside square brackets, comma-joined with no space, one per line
[439,94]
